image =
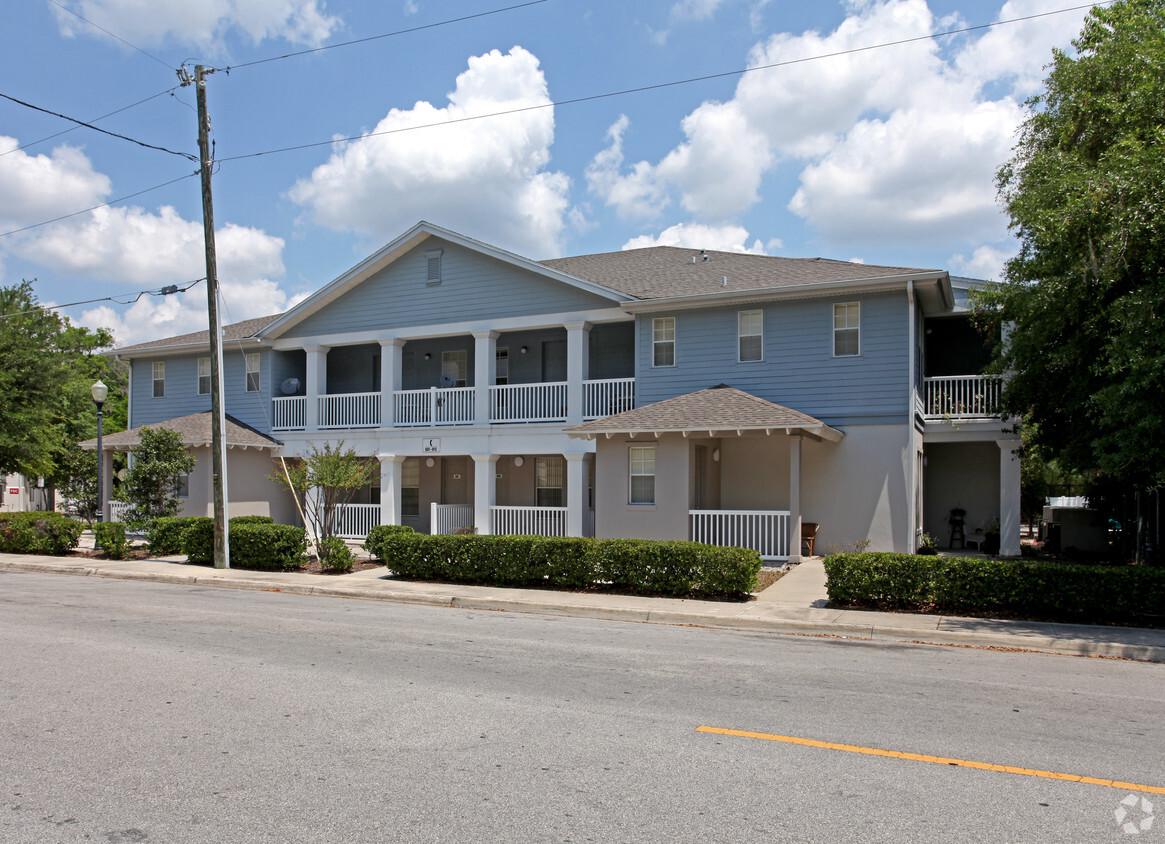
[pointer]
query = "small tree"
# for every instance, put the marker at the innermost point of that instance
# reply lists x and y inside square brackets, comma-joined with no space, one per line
[151,485]
[337,473]
[76,481]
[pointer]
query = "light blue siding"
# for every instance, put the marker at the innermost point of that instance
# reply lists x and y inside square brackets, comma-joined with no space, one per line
[799,369]
[472,286]
[182,398]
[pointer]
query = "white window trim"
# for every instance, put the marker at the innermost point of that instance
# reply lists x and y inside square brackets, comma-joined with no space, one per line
[463,365]
[740,335]
[258,371]
[154,379]
[200,376]
[501,353]
[857,328]
[540,462]
[631,474]
[654,342]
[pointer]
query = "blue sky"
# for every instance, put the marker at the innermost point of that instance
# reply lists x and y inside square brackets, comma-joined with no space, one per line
[885,156]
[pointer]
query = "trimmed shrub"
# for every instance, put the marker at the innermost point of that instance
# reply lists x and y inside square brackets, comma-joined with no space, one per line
[251,520]
[38,533]
[641,566]
[377,536]
[253,546]
[111,538]
[335,555]
[164,535]
[1011,587]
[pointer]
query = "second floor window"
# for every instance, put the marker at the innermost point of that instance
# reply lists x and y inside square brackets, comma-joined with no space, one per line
[454,365]
[663,341]
[502,365]
[847,329]
[159,379]
[750,335]
[204,376]
[252,372]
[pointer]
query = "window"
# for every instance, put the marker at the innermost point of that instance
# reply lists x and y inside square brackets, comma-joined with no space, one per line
[642,474]
[846,329]
[663,341]
[750,335]
[159,379]
[410,487]
[252,372]
[204,376]
[548,481]
[502,366]
[454,365]
[183,486]
[433,268]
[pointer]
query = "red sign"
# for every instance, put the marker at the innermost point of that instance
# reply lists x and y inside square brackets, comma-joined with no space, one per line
[14,490]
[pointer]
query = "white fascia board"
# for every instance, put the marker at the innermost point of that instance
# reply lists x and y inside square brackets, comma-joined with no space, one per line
[458,440]
[817,289]
[180,349]
[454,329]
[824,432]
[393,250]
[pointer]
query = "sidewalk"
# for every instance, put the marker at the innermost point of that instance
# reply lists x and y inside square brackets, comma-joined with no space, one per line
[795,604]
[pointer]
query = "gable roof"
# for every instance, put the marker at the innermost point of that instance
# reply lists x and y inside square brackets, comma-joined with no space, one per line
[719,409]
[194,431]
[246,329]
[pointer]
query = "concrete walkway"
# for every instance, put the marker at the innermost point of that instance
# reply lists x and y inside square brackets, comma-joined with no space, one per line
[795,604]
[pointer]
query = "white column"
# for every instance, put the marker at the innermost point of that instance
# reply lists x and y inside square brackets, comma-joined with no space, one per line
[485,349]
[485,491]
[576,494]
[1009,507]
[390,381]
[794,498]
[578,352]
[316,384]
[390,477]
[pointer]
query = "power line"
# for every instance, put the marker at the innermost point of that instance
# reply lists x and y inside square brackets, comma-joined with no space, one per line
[167,290]
[185,155]
[661,85]
[110,34]
[95,207]
[94,120]
[420,28]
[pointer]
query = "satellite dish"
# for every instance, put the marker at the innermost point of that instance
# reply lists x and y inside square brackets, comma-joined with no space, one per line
[289,387]
[448,380]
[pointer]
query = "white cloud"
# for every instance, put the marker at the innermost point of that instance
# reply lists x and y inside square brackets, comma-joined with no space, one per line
[411,7]
[485,177]
[698,236]
[985,262]
[695,9]
[40,187]
[203,24]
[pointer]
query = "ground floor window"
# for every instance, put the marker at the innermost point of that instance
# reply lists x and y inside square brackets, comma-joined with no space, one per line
[642,474]
[410,487]
[548,481]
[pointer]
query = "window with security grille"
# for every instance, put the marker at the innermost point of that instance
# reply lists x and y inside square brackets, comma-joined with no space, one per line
[548,481]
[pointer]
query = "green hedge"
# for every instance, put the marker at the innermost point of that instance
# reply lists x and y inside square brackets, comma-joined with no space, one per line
[254,546]
[1032,588]
[641,566]
[111,538]
[164,535]
[38,533]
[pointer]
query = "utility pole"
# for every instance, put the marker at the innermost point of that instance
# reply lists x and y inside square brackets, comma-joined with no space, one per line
[222,551]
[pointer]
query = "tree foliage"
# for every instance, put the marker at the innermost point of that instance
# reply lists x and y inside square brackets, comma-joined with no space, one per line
[47,366]
[1085,295]
[323,481]
[152,482]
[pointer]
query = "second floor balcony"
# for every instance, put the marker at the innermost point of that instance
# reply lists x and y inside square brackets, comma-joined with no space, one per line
[960,397]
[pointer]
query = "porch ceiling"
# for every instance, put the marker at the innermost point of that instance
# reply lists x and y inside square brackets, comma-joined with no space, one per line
[715,411]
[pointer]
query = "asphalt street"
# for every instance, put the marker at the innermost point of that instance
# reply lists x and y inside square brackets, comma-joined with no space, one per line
[165,713]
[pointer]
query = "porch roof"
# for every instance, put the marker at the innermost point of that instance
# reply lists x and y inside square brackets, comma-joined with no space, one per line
[194,431]
[715,410]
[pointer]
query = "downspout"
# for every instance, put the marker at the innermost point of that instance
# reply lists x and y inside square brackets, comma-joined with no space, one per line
[911,468]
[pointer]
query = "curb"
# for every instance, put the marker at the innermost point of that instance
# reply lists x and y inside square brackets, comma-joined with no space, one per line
[744,620]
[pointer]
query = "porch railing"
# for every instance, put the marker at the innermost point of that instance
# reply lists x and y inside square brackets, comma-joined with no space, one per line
[449,518]
[434,406]
[354,521]
[963,396]
[528,402]
[290,413]
[349,410]
[766,531]
[529,521]
[607,397]
[117,510]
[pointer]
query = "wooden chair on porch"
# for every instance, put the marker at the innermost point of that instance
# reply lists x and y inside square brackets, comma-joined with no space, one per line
[808,538]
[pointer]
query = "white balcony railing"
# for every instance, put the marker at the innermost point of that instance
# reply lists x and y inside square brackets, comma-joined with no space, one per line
[349,410]
[766,531]
[608,397]
[290,413]
[449,518]
[528,402]
[354,521]
[434,406]
[529,521]
[962,396]
[117,510]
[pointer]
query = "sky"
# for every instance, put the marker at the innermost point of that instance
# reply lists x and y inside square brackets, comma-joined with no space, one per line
[886,155]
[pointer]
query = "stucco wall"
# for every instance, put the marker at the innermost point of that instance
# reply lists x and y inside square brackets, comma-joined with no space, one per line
[962,475]
[249,491]
[668,517]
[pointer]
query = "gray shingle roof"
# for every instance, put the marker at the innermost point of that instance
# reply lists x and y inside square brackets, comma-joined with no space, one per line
[236,331]
[660,271]
[720,408]
[194,431]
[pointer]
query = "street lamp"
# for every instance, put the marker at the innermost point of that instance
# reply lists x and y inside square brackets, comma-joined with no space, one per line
[99,391]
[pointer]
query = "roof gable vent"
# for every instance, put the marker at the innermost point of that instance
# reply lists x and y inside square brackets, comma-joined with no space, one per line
[433,271]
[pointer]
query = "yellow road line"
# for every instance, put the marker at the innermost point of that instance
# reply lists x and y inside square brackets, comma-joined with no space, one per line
[937,760]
